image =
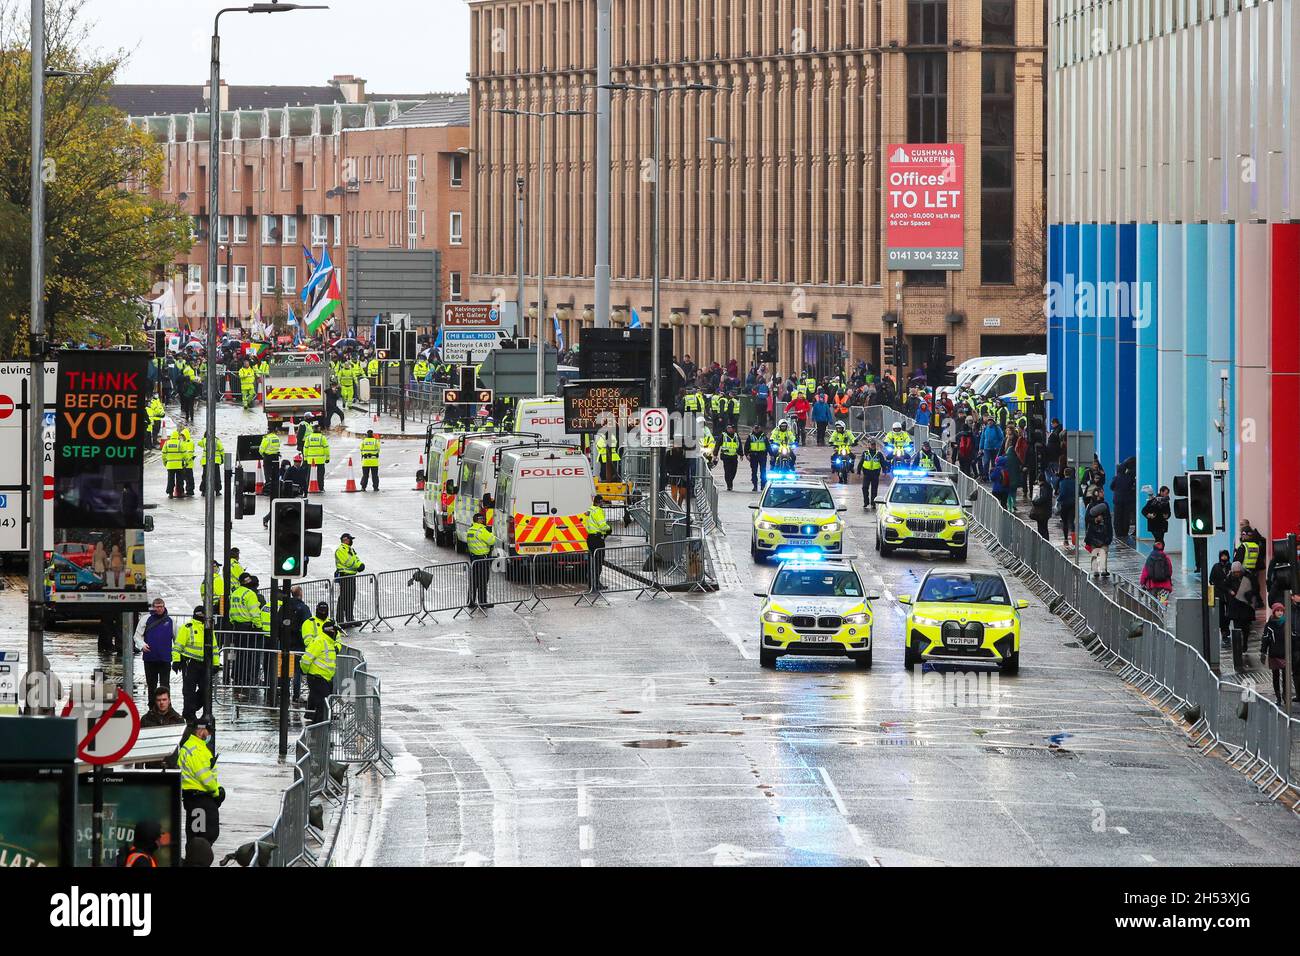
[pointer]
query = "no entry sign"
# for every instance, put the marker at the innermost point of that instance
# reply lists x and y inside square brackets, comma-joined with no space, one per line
[110,728]
[925,206]
[6,406]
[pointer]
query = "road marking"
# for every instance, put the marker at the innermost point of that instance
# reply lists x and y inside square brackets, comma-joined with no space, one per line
[585,840]
[834,791]
[1148,857]
[858,837]
[1122,830]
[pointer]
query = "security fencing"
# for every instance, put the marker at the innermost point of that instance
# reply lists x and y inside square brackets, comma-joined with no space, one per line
[1255,734]
[353,734]
[423,402]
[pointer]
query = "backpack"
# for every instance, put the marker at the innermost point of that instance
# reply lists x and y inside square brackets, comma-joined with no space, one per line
[1157,569]
[965,447]
[998,476]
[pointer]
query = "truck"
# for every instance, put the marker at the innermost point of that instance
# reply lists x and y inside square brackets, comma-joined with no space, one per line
[295,387]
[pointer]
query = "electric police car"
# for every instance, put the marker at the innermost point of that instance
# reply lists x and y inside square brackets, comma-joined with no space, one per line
[921,511]
[963,617]
[796,515]
[815,606]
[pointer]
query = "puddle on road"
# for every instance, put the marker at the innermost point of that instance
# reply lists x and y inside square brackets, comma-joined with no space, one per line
[710,703]
[654,744]
[621,711]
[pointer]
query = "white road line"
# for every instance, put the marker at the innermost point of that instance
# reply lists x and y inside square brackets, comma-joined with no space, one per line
[853,829]
[585,840]
[834,791]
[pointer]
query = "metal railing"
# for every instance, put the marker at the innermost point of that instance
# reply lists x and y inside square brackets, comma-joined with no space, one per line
[1253,731]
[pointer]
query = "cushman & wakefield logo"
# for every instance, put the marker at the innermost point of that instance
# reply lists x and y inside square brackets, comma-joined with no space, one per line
[77,910]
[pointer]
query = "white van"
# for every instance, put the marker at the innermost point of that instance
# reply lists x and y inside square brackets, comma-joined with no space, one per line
[441,466]
[543,493]
[477,476]
[544,417]
[1016,382]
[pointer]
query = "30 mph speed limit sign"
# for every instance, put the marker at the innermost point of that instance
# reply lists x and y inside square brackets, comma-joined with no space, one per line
[654,427]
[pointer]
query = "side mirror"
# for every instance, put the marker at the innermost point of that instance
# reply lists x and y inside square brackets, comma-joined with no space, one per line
[761,594]
[905,599]
[880,501]
[420,475]
[753,507]
[842,508]
[1021,605]
[148,522]
[873,596]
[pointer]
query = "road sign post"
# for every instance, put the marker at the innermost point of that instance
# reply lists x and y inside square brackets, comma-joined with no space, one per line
[111,730]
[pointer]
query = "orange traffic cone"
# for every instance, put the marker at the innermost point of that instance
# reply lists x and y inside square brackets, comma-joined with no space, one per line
[314,487]
[352,477]
[261,478]
[293,436]
[419,483]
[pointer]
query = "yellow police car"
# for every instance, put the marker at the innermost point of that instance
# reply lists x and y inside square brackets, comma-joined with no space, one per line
[963,618]
[921,511]
[796,516]
[815,606]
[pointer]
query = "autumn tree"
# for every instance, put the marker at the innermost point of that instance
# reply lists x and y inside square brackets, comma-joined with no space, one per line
[107,238]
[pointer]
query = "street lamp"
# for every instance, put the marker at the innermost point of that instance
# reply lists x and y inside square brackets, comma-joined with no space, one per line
[542,116]
[657,92]
[214,198]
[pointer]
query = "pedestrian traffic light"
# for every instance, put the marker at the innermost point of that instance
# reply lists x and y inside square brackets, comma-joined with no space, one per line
[1180,497]
[891,352]
[313,517]
[245,487]
[287,538]
[1284,567]
[1200,503]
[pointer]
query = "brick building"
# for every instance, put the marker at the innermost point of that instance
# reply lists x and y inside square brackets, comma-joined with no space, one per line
[773,202]
[330,167]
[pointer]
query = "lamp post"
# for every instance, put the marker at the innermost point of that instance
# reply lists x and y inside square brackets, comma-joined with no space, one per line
[656,224]
[542,116]
[210,427]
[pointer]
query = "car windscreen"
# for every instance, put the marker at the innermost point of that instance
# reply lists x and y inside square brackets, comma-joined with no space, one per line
[804,499]
[964,589]
[922,494]
[814,582]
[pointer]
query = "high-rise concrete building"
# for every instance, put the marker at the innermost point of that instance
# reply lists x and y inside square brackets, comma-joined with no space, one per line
[775,190]
[1174,304]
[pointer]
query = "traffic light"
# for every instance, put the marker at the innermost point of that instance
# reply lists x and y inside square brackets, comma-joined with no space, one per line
[1180,497]
[1200,503]
[287,538]
[773,340]
[891,352]
[313,516]
[1285,567]
[938,371]
[245,491]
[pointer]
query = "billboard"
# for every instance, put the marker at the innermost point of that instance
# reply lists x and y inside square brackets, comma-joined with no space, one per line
[100,441]
[15,424]
[925,206]
[36,812]
[590,406]
[130,797]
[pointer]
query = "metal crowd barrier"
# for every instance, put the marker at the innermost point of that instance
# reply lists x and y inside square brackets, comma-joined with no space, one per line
[1124,632]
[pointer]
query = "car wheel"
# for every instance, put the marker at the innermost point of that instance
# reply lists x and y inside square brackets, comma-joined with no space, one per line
[909,657]
[862,661]
[442,538]
[460,545]
[877,539]
[885,549]
[428,532]
[766,658]
[962,553]
[756,554]
[1011,664]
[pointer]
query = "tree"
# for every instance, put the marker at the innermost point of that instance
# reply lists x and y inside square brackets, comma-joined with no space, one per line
[1031,265]
[107,238]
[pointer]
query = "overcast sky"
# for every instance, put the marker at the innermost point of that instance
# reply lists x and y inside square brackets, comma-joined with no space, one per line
[397,46]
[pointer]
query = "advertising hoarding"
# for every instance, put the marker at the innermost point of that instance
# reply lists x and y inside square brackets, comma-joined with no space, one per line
[37,804]
[15,420]
[925,206]
[131,797]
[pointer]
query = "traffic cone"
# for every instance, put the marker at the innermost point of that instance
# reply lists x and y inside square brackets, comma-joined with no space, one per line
[352,477]
[314,487]
[419,484]
[293,436]
[261,478]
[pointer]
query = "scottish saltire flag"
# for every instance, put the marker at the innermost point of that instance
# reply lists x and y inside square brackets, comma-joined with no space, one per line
[636,320]
[321,272]
[437,343]
[296,325]
[325,303]
[559,333]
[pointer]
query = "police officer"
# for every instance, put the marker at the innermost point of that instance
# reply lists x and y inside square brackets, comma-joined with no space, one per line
[607,454]
[370,459]
[269,449]
[842,442]
[479,541]
[597,526]
[247,385]
[203,464]
[1251,552]
[187,661]
[729,450]
[871,465]
[346,568]
[173,461]
[782,434]
[187,464]
[201,792]
[756,451]
[156,412]
[319,663]
[232,563]
[316,450]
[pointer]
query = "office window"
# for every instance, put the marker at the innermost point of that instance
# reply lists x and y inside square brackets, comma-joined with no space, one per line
[196,227]
[241,278]
[997,162]
[381,163]
[365,225]
[999,22]
[320,230]
[927,97]
[270,230]
[457,170]
[453,280]
[927,21]
[412,201]
[366,176]
[223,229]
[290,230]
[241,229]
[457,236]
[338,229]
[194,280]
[290,279]
[222,277]
[268,278]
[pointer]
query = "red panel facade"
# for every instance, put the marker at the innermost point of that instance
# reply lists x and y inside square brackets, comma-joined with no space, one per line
[1284,362]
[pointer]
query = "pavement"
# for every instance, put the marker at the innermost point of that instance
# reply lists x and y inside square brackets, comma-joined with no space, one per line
[645,733]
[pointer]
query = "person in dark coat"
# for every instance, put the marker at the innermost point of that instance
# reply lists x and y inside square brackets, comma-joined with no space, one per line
[1157,512]
[1241,609]
[1099,533]
[1219,574]
[159,632]
[1065,495]
[1124,493]
[297,613]
[1040,509]
[1272,648]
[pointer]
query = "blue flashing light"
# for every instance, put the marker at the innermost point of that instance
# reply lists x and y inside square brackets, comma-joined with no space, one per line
[907,472]
[800,554]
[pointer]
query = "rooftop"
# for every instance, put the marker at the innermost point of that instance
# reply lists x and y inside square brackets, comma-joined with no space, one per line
[153,99]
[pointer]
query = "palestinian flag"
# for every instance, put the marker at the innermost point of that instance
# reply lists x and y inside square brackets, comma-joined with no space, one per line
[326,304]
[256,350]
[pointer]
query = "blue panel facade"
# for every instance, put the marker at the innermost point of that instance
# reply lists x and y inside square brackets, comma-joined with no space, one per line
[1110,305]
[1055,318]
[1148,361]
[1221,337]
[1087,280]
[1126,337]
[1070,376]
[1170,320]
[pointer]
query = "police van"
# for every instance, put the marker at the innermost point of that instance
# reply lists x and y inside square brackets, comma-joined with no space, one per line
[544,417]
[442,467]
[543,494]
[477,476]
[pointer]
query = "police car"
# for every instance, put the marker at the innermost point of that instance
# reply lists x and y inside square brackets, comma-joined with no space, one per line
[963,617]
[815,606]
[921,511]
[796,516]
